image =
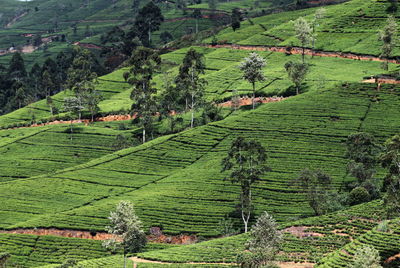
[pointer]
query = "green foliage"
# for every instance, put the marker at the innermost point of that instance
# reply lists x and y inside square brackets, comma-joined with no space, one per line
[316,185]
[252,71]
[147,21]
[390,160]
[362,152]
[246,159]
[144,62]
[366,257]
[264,234]
[189,83]
[127,229]
[297,73]
[388,36]
[4,256]
[359,195]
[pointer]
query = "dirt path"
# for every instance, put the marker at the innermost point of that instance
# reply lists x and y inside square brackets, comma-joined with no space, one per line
[15,19]
[392,259]
[160,238]
[382,81]
[88,45]
[112,118]
[137,260]
[307,51]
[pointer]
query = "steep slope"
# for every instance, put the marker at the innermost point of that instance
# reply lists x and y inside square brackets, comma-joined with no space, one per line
[306,240]
[348,27]
[222,76]
[175,181]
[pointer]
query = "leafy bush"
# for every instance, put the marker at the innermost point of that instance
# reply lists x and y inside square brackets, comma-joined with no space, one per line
[359,195]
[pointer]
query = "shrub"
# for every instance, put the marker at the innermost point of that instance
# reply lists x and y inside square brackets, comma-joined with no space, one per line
[359,195]
[366,257]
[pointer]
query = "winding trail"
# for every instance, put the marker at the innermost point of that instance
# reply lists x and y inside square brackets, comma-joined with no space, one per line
[15,19]
[307,51]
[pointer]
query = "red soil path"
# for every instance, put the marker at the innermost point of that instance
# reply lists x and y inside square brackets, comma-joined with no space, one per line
[111,118]
[307,51]
[161,238]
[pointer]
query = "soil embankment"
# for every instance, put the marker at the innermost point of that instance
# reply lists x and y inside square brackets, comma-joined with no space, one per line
[159,238]
[123,117]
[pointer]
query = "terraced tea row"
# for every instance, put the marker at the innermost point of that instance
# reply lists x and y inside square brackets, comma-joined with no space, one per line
[162,177]
[306,240]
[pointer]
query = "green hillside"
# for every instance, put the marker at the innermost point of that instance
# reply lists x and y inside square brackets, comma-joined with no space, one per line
[52,178]
[311,129]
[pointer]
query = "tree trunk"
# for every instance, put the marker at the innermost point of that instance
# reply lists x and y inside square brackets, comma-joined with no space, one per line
[192,120]
[149,35]
[313,48]
[297,89]
[254,95]
[192,108]
[71,129]
[197,25]
[302,54]
[245,221]
[144,134]
[247,210]
[124,261]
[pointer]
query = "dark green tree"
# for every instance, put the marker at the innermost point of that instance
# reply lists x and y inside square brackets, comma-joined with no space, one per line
[393,6]
[315,184]
[135,6]
[35,76]
[246,161]
[390,160]
[16,69]
[236,18]
[81,77]
[145,62]
[166,37]
[197,15]
[47,83]
[297,72]
[362,153]
[120,43]
[388,36]
[147,21]
[189,82]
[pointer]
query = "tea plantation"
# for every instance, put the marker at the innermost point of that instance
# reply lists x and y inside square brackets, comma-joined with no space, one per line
[52,177]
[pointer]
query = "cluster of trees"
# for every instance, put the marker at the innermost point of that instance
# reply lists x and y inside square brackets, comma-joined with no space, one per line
[19,87]
[123,42]
[184,94]
[364,155]
[297,71]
